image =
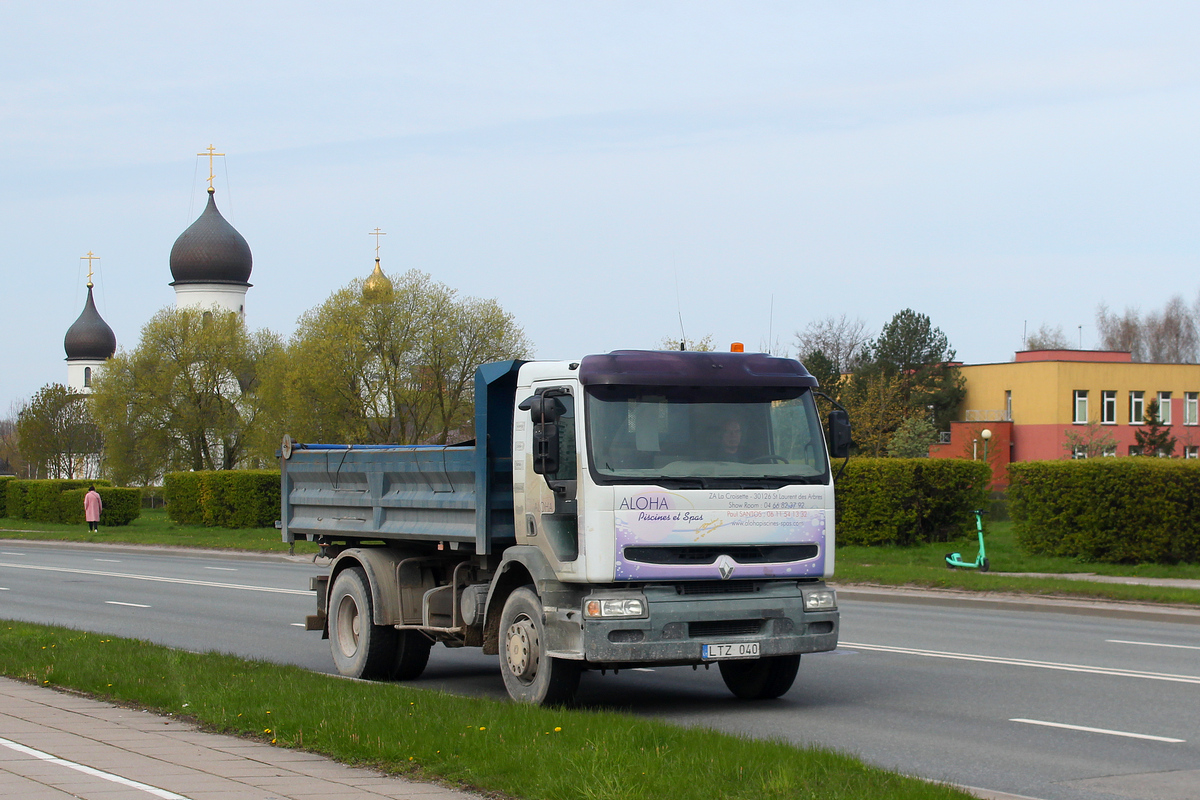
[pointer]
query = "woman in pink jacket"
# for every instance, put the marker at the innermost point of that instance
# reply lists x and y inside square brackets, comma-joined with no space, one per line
[92,506]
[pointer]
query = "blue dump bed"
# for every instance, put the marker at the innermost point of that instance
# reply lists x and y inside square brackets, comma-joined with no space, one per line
[457,493]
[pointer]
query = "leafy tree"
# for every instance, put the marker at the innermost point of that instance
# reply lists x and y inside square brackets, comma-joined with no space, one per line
[825,371]
[702,345]
[912,439]
[1092,440]
[389,368]
[57,435]
[185,398]
[917,356]
[1152,436]
[876,405]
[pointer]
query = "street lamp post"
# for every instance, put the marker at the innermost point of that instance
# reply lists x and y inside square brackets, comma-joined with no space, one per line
[986,433]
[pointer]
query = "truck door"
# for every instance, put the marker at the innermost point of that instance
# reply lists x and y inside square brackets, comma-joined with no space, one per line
[551,507]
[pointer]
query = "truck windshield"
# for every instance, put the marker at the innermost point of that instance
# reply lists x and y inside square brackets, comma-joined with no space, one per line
[705,436]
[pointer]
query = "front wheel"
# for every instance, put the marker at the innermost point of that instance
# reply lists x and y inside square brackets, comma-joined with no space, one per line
[361,649]
[761,679]
[531,676]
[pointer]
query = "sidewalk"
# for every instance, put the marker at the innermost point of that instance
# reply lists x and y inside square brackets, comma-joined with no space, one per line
[58,746]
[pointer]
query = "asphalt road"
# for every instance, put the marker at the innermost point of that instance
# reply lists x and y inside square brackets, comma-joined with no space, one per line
[1045,705]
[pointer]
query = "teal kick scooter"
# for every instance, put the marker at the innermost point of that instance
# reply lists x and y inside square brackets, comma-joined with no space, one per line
[955,560]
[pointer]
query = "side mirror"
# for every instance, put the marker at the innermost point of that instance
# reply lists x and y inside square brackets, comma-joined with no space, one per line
[545,412]
[839,433]
[543,408]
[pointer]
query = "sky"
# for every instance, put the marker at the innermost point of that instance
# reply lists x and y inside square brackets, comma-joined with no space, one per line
[610,172]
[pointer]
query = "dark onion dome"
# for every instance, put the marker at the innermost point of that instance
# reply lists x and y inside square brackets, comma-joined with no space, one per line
[90,337]
[211,251]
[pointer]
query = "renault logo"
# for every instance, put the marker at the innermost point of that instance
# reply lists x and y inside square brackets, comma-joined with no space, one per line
[725,566]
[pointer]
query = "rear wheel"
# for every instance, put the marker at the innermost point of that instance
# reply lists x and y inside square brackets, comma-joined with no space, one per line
[412,654]
[760,679]
[531,676]
[361,649]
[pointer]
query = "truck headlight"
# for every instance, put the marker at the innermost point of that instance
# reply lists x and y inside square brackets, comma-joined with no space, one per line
[820,600]
[615,607]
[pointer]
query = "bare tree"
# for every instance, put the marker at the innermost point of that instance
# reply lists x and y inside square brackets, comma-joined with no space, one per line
[1047,338]
[1169,336]
[842,341]
[1121,332]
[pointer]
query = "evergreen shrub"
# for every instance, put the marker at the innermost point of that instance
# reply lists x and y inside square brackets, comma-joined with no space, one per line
[117,506]
[905,501]
[246,498]
[1115,510]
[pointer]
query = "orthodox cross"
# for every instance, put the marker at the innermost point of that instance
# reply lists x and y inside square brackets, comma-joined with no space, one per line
[211,154]
[90,258]
[377,233]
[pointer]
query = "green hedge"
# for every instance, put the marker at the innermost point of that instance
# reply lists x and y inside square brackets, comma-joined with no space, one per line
[118,506]
[904,501]
[1116,510]
[4,494]
[246,498]
[40,500]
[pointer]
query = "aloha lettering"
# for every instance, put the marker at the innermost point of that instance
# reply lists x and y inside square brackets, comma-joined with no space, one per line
[644,503]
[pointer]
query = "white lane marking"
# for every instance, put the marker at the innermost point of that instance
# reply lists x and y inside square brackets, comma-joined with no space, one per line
[108,776]
[1022,662]
[109,560]
[1086,729]
[3,588]
[157,579]
[1154,644]
[224,569]
[13,554]
[119,603]
[642,669]
[298,625]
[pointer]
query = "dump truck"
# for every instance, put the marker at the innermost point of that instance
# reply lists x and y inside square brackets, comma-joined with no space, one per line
[629,509]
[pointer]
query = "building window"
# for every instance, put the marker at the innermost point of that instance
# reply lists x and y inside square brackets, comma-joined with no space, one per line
[1135,450]
[1008,405]
[1108,407]
[1191,451]
[1080,406]
[87,376]
[1079,451]
[1191,408]
[1137,402]
[1164,408]
[1110,451]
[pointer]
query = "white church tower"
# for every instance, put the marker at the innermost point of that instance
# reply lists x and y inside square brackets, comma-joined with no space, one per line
[210,261]
[89,342]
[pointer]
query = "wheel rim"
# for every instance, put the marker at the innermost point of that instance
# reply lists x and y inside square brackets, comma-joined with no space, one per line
[521,649]
[348,626]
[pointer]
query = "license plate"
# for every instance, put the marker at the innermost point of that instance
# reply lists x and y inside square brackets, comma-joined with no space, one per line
[716,652]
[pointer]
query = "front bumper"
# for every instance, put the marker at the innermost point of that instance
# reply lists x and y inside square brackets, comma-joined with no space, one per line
[676,626]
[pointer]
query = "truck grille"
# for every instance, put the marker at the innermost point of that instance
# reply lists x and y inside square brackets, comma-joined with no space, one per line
[742,554]
[729,627]
[716,587]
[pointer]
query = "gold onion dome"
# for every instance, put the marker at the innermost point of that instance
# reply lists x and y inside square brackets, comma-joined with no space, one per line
[377,286]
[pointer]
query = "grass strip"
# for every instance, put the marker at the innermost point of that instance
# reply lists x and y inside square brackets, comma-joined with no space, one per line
[155,528]
[522,751]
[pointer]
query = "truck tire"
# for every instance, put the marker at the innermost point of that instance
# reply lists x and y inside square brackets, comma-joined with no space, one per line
[412,654]
[531,676]
[762,678]
[361,649]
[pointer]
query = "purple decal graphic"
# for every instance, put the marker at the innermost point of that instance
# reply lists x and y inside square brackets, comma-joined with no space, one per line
[653,520]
